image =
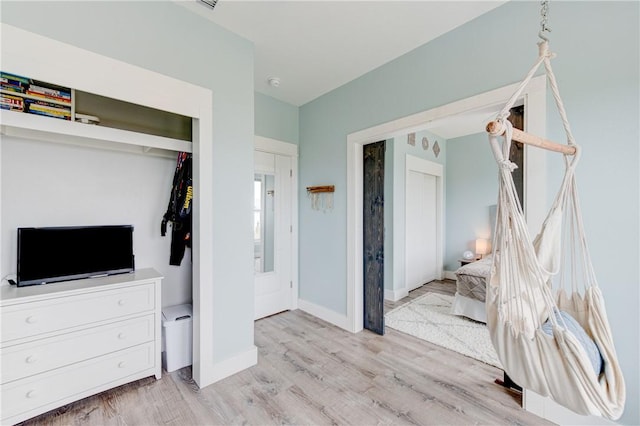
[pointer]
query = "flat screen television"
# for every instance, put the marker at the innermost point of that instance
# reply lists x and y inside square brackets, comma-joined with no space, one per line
[52,254]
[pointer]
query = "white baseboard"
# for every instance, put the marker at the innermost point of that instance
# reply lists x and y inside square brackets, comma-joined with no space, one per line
[395,295]
[233,365]
[339,320]
[450,275]
[550,410]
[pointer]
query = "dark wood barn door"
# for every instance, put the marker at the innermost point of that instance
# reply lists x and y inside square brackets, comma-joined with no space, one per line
[373,236]
[516,155]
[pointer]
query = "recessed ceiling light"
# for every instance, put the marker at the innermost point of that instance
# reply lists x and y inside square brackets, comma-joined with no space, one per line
[273,81]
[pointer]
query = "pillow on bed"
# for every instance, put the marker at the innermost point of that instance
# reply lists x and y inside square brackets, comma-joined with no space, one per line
[574,327]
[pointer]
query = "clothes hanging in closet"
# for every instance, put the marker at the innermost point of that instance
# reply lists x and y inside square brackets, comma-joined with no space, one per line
[179,209]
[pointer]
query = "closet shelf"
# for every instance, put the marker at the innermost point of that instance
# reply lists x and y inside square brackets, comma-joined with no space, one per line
[32,126]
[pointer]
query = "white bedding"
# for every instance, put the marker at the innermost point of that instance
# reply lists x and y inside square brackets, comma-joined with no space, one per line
[469,300]
[470,308]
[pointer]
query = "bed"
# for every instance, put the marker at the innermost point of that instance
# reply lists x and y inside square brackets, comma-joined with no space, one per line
[471,290]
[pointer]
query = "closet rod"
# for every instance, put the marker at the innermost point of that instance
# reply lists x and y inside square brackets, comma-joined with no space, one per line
[495,128]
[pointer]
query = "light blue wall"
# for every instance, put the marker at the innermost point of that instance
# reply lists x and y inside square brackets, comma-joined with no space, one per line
[276,119]
[472,180]
[597,69]
[169,39]
[598,73]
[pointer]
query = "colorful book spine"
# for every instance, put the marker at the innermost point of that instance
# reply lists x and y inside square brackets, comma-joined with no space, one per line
[15,78]
[12,88]
[46,114]
[49,92]
[12,103]
[55,111]
[33,96]
[46,104]
[47,107]
[48,96]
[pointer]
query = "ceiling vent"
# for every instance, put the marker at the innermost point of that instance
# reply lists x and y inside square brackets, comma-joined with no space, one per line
[210,3]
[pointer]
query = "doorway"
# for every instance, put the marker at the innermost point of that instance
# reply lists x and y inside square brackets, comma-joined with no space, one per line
[423,222]
[534,97]
[274,219]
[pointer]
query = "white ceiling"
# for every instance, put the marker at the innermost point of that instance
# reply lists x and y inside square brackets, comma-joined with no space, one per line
[314,47]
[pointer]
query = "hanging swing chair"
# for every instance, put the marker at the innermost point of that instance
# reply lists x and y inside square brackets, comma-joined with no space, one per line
[545,311]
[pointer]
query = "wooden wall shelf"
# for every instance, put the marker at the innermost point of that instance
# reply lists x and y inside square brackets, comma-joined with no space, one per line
[317,189]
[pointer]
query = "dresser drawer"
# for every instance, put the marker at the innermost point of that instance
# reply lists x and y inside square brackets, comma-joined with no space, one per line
[32,358]
[35,318]
[57,387]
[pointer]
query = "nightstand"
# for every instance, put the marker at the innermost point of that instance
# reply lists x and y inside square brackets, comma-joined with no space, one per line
[466,261]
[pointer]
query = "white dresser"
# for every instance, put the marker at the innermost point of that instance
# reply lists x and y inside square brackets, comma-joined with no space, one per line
[65,341]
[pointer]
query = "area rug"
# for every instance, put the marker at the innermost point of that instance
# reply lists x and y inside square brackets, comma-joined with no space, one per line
[427,317]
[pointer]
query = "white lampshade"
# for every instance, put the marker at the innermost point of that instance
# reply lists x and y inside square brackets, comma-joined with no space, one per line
[482,246]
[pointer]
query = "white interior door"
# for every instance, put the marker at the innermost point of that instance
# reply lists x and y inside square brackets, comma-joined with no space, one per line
[421,229]
[272,230]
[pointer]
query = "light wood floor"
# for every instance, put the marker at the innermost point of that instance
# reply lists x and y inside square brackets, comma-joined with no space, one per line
[310,372]
[447,287]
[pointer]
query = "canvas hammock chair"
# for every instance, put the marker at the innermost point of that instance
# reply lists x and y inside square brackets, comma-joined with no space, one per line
[534,280]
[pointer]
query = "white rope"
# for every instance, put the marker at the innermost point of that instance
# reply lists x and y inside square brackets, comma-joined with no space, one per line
[544,57]
[556,95]
[521,295]
[504,113]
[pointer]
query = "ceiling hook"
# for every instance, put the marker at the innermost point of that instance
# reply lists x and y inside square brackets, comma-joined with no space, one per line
[544,12]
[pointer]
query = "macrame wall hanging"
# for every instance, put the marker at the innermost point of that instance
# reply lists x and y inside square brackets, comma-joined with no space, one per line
[321,197]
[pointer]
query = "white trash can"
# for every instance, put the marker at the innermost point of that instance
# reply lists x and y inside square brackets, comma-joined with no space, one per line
[177,337]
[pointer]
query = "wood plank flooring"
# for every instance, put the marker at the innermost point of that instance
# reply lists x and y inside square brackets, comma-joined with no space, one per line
[312,373]
[447,287]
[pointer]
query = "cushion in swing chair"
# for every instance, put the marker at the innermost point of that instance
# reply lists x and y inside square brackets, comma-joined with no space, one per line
[572,326]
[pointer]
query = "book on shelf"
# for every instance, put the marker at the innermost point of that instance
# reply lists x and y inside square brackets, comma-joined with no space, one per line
[47,107]
[14,78]
[36,97]
[23,85]
[12,103]
[46,114]
[12,87]
[55,111]
[50,92]
[48,96]
[47,103]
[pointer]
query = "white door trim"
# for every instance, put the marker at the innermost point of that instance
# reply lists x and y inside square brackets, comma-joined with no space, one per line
[123,82]
[534,97]
[274,146]
[417,164]
[535,179]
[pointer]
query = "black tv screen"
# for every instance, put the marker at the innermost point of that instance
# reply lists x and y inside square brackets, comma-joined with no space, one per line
[52,254]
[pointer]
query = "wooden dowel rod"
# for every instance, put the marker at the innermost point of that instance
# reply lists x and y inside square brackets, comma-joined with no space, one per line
[494,128]
[326,188]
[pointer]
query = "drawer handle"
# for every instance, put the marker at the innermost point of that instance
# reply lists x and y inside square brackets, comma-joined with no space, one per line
[122,364]
[32,320]
[31,394]
[31,359]
[122,336]
[121,302]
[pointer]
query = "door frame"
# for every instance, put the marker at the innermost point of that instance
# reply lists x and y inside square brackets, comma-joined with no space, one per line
[534,97]
[420,165]
[274,146]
